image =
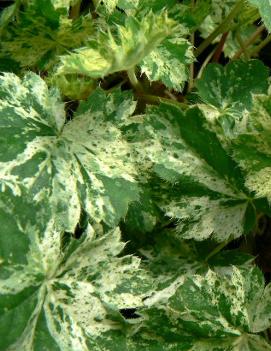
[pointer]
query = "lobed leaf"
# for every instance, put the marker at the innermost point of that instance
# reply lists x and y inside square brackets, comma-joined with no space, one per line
[46,39]
[205,189]
[63,300]
[211,312]
[252,147]
[109,53]
[84,163]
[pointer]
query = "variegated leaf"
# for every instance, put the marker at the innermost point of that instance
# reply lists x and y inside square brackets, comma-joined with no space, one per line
[218,11]
[109,53]
[206,192]
[63,299]
[168,63]
[252,146]
[168,258]
[231,87]
[83,163]
[212,312]
[45,40]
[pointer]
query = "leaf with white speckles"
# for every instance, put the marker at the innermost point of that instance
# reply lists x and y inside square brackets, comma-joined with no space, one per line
[63,298]
[46,39]
[83,163]
[232,86]
[108,53]
[169,63]
[211,312]
[204,189]
[252,147]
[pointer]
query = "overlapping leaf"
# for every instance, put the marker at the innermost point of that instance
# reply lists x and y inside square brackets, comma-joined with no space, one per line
[168,63]
[211,312]
[244,119]
[63,299]
[230,88]
[167,258]
[252,146]
[107,54]
[206,190]
[139,42]
[35,40]
[84,163]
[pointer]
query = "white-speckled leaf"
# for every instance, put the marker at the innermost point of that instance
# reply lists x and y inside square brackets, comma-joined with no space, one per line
[210,312]
[84,163]
[109,53]
[167,258]
[168,63]
[252,146]
[231,87]
[36,40]
[63,299]
[205,188]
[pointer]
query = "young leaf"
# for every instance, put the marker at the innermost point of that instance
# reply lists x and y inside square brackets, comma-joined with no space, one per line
[84,163]
[63,300]
[211,312]
[108,53]
[168,63]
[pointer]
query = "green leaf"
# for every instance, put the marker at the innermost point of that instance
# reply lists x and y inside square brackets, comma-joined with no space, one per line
[34,40]
[83,163]
[168,63]
[110,5]
[64,300]
[252,146]
[217,13]
[167,258]
[264,7]
[109,53]
[211,312]
[231,87]
[205,188]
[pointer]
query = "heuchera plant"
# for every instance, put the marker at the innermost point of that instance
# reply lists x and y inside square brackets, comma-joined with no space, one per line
[135,175]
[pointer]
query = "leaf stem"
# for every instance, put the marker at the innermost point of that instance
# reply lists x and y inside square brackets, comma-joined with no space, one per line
[259,47]
[75,10]
[223,27]
[158,99]
[133,79]
[248,42]
[242,45]
[220,47]
[205,63]
[217,249]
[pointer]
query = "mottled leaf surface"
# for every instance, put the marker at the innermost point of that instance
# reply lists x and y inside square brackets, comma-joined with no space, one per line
[168,63]
[64,299]
[231,87]
[252,146]
[83,163]
[110,52]
[204,188]
[46,38]
[209,312]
